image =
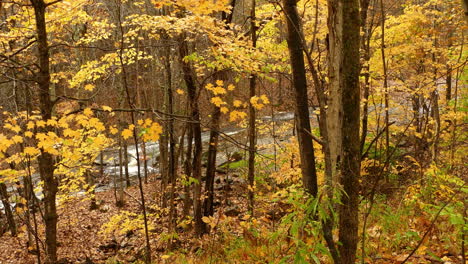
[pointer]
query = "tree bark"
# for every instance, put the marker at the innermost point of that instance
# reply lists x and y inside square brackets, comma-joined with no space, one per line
[8,211]
[45,160]
[208,208]
[306,150]
[196,130]
[252,116]
[350,100]
[334,107]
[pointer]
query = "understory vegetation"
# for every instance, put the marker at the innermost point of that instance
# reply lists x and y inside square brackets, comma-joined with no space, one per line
[233,131]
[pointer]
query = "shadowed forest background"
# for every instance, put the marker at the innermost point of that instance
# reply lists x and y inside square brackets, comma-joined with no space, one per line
[233,131]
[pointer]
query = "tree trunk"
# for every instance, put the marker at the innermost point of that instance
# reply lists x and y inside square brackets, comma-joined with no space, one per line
[365,68]
[8,211]
[135,134]
[252,133]
[196,130]
[125,159]
[208,208]
[294,39]
[45,160]
[385,80]
[349,80]
[334,107]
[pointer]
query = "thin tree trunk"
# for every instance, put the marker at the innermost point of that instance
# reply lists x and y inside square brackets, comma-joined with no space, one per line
[120,201]
[208,208]
[306,150]
[135,134]
[349,79]
[7,207]
[385,80]
[172,155]
[334,107]
[196,130]
[125,158]
[188,170]
[46,162]
[145,162]
[252,133]
[365,48]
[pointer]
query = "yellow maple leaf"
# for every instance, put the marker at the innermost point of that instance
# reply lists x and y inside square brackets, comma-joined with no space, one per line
[89,87]
[106,108]
[17,139]
[127,133]
[236,115]
[31,151]
[217,101]
[219,83]
[237,103]
[113,130]
[30,125]
[87,111]
[28,134]
[40,123]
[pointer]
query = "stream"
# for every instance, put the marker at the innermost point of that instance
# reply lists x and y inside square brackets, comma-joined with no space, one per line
[111,156]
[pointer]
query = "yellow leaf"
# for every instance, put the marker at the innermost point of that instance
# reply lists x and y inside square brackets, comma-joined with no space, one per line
[40,123]
[219,83]
[106,108]
[52,122]
[237,103]
[30,125]
[206,219]
[224,110]
[88,111]
[113,130]
[89,87]
[17,139]
[179,91]
[217,101]
[31,151]
[126,133]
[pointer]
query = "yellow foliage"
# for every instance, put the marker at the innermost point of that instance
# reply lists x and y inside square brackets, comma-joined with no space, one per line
[127,133]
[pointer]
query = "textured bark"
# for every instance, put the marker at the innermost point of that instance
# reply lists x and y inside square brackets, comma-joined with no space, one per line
[385,80]
[125,161]
[196,131]
[252,133]
[7,207]
[334,110]
[172,151]
[45,160]
[350,166]
[294,40]
[365,68]
[188,170]
[208,209]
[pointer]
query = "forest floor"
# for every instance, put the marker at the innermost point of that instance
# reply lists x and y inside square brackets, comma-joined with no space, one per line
[85,237]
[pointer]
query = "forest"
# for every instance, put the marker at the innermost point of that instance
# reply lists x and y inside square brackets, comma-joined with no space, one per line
[233,131]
